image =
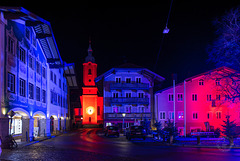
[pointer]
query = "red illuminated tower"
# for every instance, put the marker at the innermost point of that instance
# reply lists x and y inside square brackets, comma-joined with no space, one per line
[92,105]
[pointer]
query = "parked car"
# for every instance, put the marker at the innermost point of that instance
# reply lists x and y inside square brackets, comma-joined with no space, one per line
[112,130]
[136,132]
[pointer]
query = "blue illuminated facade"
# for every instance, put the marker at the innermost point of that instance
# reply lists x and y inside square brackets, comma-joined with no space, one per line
[33,84]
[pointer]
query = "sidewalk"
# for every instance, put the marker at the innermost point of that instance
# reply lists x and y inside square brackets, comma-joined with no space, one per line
[37,140]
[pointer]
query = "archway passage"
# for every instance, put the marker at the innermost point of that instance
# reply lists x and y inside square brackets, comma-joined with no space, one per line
[53,124]
[19,124]
[39,124]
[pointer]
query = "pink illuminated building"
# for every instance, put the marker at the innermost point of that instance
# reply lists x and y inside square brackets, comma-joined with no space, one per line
[200,102]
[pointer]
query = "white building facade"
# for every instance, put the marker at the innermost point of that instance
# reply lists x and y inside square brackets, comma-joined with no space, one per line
[128,95]
[33,84]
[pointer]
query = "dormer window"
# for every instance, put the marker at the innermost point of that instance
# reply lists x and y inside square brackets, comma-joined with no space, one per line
[201,82]
[217,82]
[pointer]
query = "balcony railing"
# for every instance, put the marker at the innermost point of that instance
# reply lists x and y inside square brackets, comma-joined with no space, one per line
[143,86]
[128,116]
[133,100]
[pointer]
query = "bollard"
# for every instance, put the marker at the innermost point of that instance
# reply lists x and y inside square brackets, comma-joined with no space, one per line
[198,140]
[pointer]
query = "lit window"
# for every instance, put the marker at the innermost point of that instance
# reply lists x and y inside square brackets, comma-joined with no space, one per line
[180,115]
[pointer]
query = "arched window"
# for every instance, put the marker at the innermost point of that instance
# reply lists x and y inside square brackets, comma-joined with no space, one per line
[89,72]
[201,82]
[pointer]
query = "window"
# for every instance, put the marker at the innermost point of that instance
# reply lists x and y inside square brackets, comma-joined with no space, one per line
[115,109]
[162,115]
[209,115]
[60,83]
[219,115]
[89,80]
[55,79]
[34,41]
[180,97]
[51,76]
[218,97]
[209,97]
[128,80]
[141,109]
[115,95]
[11,82]
[11,45]
[30,88]
[171,115]
[118,80]
[180,115]
[38,67]
[89,72]
[201,82]
[54,98]
[195,115]
[22,55]
[43,96]
[170,97]
[128,109]
[217,82]
[128,95]
[194,97]
[37,93]
[43,72]
[59,100]
[138,80]
[22,87]
[140,95]
[30,61]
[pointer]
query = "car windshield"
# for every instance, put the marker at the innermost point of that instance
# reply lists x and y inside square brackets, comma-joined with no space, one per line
[112,128]
[136,127]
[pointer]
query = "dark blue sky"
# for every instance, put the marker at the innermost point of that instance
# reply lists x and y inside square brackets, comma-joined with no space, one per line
[133,33]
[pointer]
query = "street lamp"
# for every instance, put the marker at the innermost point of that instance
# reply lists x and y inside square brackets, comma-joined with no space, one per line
[123,114]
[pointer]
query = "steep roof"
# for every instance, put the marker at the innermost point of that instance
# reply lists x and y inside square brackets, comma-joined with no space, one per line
[223,68]
[129,66]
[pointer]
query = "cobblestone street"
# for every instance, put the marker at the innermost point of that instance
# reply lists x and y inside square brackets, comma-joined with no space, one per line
[91,144]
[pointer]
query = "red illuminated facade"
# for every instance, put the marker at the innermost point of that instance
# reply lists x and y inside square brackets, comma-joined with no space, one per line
[92,104]
[200,103]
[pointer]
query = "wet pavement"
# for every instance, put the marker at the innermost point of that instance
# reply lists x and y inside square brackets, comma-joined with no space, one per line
[91,144]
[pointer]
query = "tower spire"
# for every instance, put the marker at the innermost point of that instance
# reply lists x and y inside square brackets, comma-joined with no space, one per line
[90,58]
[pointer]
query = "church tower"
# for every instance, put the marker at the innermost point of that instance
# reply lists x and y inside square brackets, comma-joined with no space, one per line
[92,105]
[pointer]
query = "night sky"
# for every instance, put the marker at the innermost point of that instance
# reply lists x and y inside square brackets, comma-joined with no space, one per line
[132,33]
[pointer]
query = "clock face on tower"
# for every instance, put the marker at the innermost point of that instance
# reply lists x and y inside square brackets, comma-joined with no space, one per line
[90,110]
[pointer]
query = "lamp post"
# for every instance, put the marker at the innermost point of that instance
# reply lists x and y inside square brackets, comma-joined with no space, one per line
[123,114]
